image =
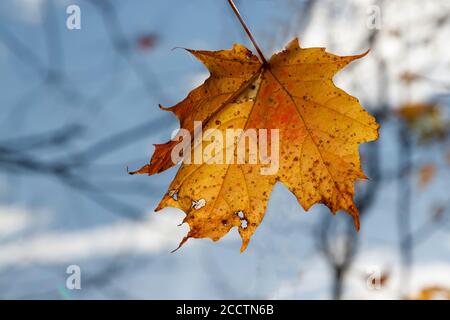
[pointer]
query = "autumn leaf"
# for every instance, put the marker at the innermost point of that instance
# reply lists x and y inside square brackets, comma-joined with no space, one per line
[409,77]
[426,174]
[425,119]
[433,293]
[320,129]
[414,112]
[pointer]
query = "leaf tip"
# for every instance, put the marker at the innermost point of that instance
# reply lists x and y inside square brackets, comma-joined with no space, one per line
[361,55]
[357,223]
[243,246]
[183,241]
[245,241]
[171,109]
[354,212]
[295,43]
[143,170]
[174,48]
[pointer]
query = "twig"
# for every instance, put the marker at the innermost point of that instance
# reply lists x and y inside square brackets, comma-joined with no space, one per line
[247,30]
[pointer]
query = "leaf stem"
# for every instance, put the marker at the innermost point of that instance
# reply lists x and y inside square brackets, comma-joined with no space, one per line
[247,30]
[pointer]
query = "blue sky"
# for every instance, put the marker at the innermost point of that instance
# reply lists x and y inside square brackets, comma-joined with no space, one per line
[102,91]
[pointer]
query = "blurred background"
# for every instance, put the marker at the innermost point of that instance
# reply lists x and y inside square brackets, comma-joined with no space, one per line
[79,106]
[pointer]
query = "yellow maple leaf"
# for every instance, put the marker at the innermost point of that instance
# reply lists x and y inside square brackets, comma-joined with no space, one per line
[320,128]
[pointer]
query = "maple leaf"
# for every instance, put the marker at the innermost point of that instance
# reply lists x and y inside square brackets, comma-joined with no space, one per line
[320,128]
